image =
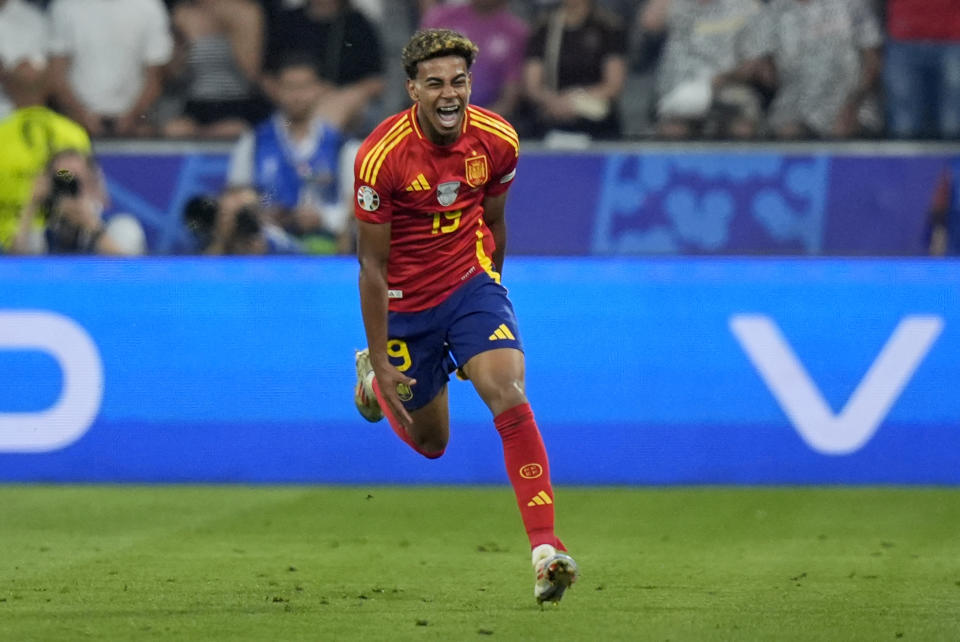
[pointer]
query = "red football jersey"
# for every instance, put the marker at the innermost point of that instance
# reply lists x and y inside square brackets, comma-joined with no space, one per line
[432,195]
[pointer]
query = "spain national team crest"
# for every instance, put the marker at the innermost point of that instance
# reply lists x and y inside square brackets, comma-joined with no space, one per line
[476,170]
[447,192]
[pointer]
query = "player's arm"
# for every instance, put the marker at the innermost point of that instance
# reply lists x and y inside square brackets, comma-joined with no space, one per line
[373,250]
[494,215]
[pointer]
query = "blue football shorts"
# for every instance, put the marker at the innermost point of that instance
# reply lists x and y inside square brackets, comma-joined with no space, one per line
[430,344]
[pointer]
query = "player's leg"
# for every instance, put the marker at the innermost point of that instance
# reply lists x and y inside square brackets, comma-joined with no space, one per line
[485,340]
[498,376]
[430,431]
[416,348]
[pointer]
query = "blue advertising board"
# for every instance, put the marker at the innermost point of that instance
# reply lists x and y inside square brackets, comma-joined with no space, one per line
[640,371]
[640,200]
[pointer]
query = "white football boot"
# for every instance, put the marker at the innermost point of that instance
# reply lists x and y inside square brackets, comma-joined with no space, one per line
[555,572]
[363,395]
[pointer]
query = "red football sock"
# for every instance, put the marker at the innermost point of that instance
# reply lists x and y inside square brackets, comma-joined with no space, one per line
[529,473]
[398,427]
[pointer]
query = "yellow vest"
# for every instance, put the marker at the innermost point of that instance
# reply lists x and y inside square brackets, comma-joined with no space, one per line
[29,137]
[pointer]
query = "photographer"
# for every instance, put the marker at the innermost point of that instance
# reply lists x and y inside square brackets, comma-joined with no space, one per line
[235,223]
[64,213]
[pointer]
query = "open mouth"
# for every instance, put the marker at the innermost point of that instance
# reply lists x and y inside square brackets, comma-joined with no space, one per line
[449,115]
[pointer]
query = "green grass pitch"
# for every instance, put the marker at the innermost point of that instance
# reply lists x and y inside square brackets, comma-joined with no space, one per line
[359,563]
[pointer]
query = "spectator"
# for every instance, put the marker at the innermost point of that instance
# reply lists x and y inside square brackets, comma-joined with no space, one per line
[217,61]
[29,137]
[825,56]
[625,10]
[346,50]
[532,11]
[702,47]
[23,39]
[922,74]
[501,36]
[575,70]
[71,196]
[107,61]
[529,10]
[395,21]
[943,226]
[293,158]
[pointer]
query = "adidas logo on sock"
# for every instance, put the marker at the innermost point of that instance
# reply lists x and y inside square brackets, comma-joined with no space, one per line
[503,332]
[419,184]
[540,499]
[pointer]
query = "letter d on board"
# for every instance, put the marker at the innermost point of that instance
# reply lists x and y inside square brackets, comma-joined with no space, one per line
[75,410]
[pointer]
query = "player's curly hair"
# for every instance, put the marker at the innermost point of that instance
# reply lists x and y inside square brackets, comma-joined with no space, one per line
[435,43]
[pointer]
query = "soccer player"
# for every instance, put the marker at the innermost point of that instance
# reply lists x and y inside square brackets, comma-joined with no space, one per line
[431,184]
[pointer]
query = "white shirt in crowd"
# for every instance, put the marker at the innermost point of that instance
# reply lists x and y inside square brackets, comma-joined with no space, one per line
[110,43]
[23,37]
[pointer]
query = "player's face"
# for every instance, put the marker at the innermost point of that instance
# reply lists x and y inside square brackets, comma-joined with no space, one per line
[442,91]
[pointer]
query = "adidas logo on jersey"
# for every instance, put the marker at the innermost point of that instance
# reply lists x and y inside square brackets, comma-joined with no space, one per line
[503,332]
[540,499]
[419,184]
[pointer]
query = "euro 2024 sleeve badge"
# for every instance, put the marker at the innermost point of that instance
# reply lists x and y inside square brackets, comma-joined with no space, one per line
[367,198]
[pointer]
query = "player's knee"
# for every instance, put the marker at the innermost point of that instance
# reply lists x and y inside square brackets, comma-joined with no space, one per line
[503,393]
[430,447]
[433,454]
[430,443]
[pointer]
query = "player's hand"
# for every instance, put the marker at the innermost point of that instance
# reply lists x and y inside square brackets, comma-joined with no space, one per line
[388,380]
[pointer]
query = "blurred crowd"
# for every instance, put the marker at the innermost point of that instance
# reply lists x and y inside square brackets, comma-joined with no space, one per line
[293,84]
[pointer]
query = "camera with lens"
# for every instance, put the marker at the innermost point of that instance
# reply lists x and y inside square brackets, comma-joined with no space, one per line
[63,183]
[200,217]
[247,223]
[63,235]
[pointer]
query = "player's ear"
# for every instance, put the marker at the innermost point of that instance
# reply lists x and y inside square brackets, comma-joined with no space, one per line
[412,89]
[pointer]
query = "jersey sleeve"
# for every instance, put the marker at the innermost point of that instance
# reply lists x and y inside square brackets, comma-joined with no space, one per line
[503,176]
[372,183]
[505,154]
